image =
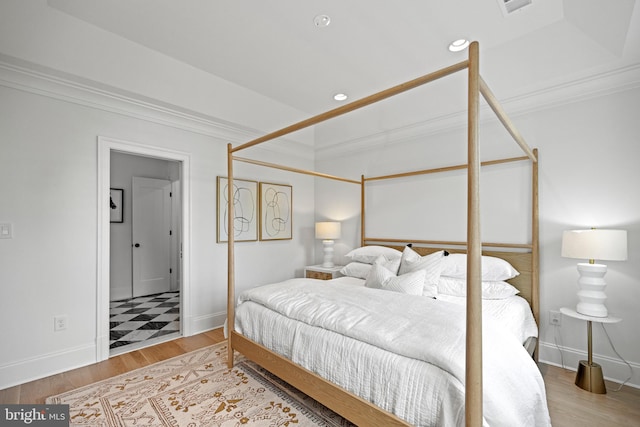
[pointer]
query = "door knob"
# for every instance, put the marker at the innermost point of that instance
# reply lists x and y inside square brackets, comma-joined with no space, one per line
[137,245]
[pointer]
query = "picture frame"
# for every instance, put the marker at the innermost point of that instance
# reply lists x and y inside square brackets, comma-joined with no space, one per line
[245,210]
[276,211]
[116,203]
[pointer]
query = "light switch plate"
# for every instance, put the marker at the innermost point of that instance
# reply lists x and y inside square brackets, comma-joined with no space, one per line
[5,231]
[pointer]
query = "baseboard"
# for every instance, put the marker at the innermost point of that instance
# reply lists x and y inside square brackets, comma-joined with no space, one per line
[36,368]
[207,322]
[23,371]
[613,369]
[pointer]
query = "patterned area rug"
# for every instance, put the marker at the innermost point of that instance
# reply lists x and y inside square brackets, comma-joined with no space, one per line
[195,390]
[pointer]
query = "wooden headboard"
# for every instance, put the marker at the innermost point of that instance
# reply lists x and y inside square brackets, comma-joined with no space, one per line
[521,261]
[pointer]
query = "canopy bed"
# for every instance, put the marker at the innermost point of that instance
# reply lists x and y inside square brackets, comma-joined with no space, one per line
[462,371]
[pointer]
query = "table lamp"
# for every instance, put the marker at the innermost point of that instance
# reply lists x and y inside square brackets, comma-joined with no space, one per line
[594,244]
[328,231]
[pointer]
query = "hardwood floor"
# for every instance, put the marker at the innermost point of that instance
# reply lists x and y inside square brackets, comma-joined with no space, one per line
[568,405]
[37,391]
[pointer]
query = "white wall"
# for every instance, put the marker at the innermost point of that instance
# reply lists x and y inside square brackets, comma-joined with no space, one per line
[63,83]
[56,42]
[48,182]
[588,177]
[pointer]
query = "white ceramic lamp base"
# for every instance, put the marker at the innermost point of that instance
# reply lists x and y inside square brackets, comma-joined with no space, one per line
[591,295]
[328,253]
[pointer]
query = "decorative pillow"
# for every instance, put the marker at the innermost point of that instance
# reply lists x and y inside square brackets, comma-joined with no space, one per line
[391,265]
[381,278]
[431,264]
[493,269]
[490,290]
[356,269]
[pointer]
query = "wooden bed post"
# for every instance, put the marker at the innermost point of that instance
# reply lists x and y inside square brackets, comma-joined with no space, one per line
[231,281]
[473,380]
[362,210]
[535,248]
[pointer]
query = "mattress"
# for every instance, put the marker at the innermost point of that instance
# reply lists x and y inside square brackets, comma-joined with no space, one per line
[403,353]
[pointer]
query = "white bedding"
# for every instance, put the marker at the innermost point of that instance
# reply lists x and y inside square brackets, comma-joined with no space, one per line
[513,313]
[401,352]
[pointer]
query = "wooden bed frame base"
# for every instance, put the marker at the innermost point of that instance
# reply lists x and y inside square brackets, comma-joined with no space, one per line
[349,406]
[344,403]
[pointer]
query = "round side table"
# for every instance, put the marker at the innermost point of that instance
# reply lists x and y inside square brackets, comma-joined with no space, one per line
[589,376]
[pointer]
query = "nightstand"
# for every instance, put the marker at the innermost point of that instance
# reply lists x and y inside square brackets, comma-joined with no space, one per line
[589,376]
[322,273]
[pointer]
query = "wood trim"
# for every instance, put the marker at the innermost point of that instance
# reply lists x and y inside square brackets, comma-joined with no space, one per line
[296,170]
[535,248]
[354,408]
[362,210]
[504,119]
[473,371]
[371,99]
[445,243]
[445,169]
[231,283]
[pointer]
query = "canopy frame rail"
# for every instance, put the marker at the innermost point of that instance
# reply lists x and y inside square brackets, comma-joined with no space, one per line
[355,105]
[444,169]
[476,86]
[495,105]
[296,170]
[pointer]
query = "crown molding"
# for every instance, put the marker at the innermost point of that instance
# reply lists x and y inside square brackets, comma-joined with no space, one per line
[589,87]
[35,79]
[28,77]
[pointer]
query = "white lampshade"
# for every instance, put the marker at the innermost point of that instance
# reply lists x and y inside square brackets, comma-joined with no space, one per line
[606,245]
[328,230]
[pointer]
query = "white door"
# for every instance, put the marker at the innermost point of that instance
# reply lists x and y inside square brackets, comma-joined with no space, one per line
[151,230]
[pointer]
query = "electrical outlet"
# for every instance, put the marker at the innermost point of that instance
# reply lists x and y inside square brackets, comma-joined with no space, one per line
[555,318]
[60,323]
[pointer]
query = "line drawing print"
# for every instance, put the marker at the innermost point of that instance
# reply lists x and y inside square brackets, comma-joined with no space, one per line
[276,208]
[244,210]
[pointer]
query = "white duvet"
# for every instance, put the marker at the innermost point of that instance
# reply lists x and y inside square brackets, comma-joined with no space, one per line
[404,353]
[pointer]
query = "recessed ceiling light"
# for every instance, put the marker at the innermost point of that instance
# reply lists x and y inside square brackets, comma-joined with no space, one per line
[340,96]
[322,21]
[458,45]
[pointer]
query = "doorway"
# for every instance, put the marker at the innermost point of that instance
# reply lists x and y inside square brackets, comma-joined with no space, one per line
[118,262]
[144,306]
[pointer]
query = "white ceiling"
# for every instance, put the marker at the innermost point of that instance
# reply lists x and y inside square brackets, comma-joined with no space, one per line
[274,48]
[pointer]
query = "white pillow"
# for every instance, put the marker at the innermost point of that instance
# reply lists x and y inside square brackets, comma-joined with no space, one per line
[356,269]
[368,254]
[490,290]
[493,269]
[391,265]
[381,278]
[431,264]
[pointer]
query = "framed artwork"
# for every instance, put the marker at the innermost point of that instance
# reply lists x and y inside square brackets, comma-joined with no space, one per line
[116,196]
[276,211]
[245,210]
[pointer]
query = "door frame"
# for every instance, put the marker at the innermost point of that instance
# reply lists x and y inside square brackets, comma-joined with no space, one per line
[105,146]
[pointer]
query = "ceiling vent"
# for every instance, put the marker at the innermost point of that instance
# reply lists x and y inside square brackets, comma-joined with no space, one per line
[510,6]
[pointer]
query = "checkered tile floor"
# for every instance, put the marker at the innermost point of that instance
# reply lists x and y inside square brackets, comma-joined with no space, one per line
[143,318]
